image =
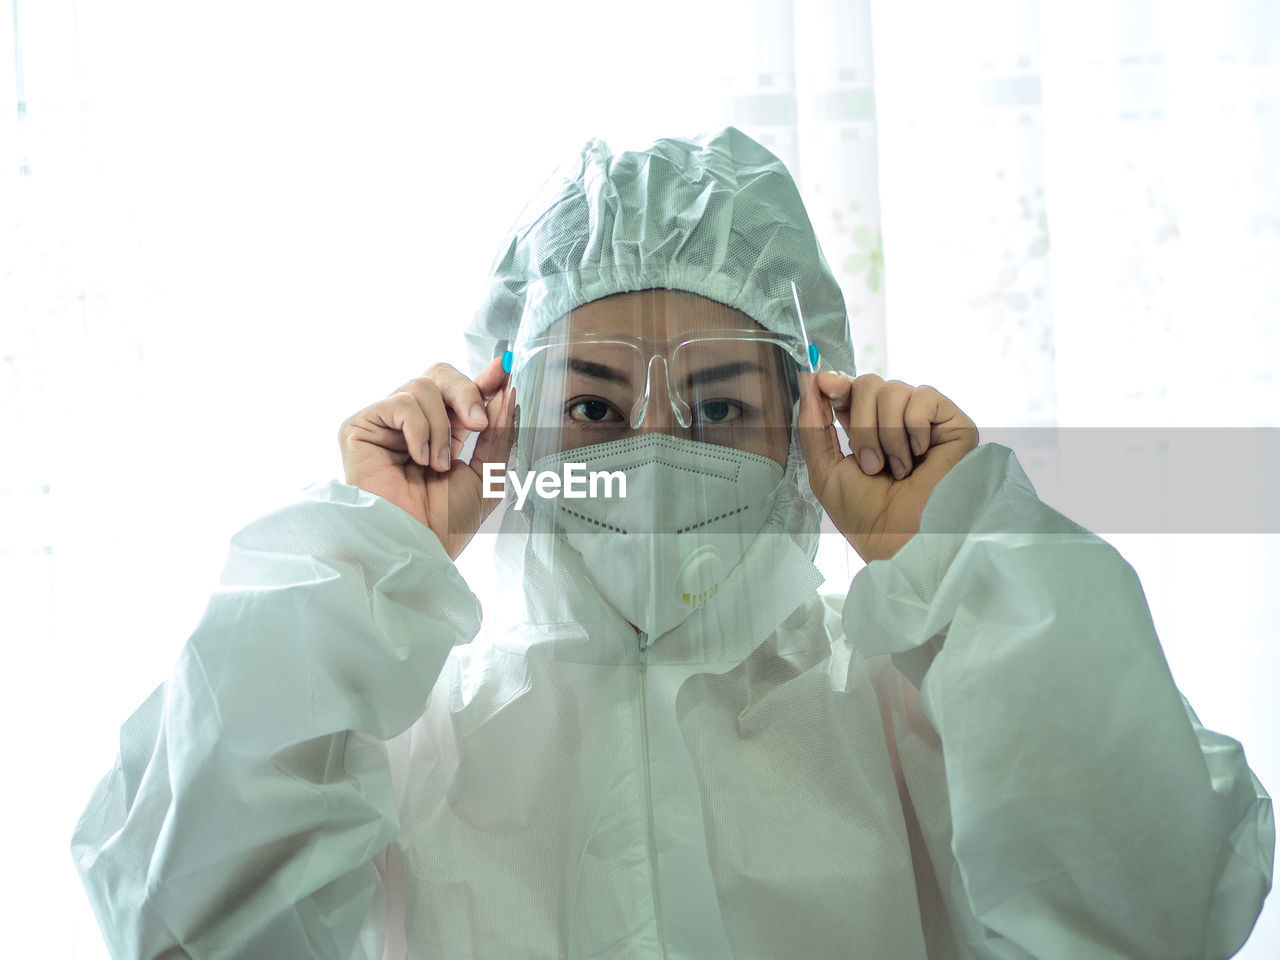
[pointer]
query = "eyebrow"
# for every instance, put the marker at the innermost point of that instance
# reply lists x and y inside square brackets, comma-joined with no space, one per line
[724,371]
[696,378]
[597,371]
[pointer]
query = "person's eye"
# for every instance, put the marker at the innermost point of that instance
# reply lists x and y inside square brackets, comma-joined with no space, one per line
[718,411]
[593,410]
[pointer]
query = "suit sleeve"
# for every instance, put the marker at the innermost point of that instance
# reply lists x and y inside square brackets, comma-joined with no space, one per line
[1086,812]
[250,809]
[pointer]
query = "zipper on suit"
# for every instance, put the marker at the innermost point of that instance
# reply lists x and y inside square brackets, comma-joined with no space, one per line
[642,641]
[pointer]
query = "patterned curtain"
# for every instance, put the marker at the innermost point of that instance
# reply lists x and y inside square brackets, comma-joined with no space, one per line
[1068,216]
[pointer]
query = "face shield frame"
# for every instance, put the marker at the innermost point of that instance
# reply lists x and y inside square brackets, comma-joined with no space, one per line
[595,391]
[669,360]
[525,349]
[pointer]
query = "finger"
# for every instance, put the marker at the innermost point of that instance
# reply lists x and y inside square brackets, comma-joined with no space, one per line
[397,423]
[835,387]
[435,445]
[818,441]
[369,427]
[891,406]
[461,395]
[492,378]
[365,438]
[494,443]
[863,426]
[923,410]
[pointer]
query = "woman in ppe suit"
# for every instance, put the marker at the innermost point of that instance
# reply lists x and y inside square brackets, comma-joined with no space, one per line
[666,743]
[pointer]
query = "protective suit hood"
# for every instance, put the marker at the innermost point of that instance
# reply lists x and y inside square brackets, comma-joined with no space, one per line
[717,215]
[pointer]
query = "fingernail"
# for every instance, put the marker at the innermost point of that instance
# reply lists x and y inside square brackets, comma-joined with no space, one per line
[443,459]
[869,461]
[478,414]
[899,471]
[916,446]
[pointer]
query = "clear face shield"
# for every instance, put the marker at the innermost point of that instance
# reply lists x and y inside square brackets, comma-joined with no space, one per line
[653,436]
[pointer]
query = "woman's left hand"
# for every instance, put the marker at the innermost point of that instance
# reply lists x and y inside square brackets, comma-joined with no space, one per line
[903,440]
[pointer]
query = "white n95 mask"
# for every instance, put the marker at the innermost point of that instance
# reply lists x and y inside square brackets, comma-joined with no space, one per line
[690,512]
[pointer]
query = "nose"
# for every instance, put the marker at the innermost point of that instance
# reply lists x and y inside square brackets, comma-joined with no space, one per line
[659,410]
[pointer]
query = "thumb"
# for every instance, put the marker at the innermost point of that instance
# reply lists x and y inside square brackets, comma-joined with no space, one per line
[818,439]
[491,379]
[493,445]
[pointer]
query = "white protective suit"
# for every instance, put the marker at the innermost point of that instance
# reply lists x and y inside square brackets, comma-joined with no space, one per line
[977,753]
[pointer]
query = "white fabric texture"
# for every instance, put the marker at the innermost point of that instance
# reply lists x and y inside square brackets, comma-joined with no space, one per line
[333,771]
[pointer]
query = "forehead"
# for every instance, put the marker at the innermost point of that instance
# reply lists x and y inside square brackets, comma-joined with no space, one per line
[654,315]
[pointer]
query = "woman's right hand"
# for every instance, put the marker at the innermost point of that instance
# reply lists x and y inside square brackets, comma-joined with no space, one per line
[403,448]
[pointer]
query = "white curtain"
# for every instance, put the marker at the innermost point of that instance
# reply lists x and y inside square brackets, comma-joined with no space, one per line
[225,227]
